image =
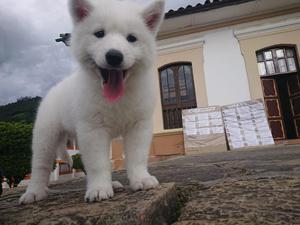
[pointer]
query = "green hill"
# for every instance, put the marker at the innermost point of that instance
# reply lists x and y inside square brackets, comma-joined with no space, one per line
[23,110]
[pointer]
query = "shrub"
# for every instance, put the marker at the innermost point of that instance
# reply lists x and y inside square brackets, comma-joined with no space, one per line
[15,149]
[77,163]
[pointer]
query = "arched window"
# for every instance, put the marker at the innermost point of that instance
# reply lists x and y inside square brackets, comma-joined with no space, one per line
[177,92]
[277,60]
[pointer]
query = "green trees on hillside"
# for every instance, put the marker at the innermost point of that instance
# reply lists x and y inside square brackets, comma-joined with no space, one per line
[15,149]
[16,121]
[24,110]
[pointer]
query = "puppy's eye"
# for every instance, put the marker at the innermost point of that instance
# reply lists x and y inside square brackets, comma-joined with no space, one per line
[131,38]
[99,34]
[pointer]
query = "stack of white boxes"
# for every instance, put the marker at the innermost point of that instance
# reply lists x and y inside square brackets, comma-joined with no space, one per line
[245,124]
[203,130]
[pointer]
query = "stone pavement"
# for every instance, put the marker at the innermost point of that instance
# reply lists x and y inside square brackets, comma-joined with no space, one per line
[259,186]
[66,206]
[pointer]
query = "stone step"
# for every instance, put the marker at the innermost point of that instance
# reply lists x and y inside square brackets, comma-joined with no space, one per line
[67,206]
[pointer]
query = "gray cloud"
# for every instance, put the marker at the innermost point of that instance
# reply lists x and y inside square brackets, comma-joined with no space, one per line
[13,35]
[30,61]
[34,72]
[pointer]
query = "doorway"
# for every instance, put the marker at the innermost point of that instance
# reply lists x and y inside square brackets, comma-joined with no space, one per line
[286,106]
[280,78]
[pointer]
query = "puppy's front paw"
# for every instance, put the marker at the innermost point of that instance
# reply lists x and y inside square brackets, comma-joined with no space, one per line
[96,194]
[36,195]
[144,183]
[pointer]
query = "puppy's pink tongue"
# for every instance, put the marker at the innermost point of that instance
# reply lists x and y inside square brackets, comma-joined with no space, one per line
[114,88]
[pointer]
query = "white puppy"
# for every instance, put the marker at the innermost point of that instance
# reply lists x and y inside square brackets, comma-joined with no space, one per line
[112,94]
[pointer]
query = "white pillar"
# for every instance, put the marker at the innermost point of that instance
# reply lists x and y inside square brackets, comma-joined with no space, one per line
[225,71]
[74,144]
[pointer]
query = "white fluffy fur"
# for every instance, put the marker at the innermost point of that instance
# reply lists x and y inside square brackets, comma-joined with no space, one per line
[76,107]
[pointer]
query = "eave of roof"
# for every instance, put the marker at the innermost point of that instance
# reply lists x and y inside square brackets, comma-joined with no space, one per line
[208,5]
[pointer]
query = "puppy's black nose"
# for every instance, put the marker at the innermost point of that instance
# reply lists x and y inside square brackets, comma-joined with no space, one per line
[114,57]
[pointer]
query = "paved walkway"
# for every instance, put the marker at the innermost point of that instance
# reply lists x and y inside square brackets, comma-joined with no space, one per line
[244,187]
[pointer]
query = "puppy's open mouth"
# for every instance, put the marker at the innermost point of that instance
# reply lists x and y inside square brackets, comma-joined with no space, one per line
[113,83]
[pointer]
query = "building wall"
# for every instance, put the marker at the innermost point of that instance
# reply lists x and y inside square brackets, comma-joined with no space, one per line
[219,71]
[224,66]
[224,69]
[250,45]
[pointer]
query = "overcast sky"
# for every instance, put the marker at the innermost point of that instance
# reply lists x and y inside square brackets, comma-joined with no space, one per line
[30,60]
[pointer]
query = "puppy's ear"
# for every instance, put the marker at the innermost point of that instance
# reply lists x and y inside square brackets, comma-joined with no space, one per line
[154,14]
[79,9]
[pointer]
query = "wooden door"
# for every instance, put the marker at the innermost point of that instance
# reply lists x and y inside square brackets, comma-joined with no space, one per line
[279,70]
[273,108]
[294,95]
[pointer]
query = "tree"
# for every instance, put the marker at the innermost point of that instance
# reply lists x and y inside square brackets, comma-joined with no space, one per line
[77,163]
[15,149]
[23,110]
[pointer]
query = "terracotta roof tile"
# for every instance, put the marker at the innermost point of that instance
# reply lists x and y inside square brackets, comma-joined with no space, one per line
[206,6]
